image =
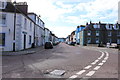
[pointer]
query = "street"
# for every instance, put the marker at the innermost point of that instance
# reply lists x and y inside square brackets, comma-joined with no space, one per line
[76,61]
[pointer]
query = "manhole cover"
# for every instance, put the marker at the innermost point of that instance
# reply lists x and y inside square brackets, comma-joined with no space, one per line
[57,72]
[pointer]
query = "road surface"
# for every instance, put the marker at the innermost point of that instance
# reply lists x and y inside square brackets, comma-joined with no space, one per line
[76,61]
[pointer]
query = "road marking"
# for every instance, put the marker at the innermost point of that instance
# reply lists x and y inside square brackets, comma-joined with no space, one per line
[93,63]
[100,64]
[80,72]
[104,61]
[96,61]
[90,73]
[88,67]
[97,67]
[101,55]
[107,54]
[99,58]
[74,76]
[105,58]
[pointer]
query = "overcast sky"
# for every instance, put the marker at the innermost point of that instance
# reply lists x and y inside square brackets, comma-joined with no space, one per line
[63,16]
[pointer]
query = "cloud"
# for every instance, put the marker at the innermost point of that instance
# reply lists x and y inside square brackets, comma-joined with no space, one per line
[74,12]
[62,31]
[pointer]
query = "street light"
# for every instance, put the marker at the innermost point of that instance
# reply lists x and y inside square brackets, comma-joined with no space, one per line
[14,3]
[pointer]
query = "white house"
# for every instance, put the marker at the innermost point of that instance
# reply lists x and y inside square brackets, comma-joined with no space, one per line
[47,35]
[17,30]
[39,29]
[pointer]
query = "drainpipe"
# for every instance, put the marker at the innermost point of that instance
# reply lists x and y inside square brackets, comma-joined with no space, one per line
[14,26]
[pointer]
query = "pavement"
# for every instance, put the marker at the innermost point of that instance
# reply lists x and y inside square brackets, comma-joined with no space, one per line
[75,61]
[22,52]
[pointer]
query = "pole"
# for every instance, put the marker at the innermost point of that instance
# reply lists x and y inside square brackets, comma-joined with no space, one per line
[14,27]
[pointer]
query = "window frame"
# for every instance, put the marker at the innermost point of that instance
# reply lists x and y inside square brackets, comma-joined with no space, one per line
[97,33]
[3,39]
[109,40]
[25,23]
[88,39]
[97,39]
[110,33]
[5,20]
[118,40]
[30,39]
[89,33]
[3,4]
[118,33]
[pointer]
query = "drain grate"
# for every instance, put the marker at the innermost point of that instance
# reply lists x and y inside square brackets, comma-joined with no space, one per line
[57,72]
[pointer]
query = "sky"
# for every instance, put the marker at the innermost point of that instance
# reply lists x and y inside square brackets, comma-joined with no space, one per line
[63,16]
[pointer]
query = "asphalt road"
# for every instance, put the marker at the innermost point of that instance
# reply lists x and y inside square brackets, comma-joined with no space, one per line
[76,61]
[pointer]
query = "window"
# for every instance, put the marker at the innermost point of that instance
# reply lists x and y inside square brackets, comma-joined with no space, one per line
[29,39]
[108,26]
[118,33]
[96,26]
[89,33]
[3,19]
[116,26]
[118,41]
[2,5]
[30,26]
[109,33]
[97,33]
[109,40]
[88,40]
[2,39]
[25,24]
[97,40]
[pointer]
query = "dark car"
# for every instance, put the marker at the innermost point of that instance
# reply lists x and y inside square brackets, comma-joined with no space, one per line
[48,45]
[72,43]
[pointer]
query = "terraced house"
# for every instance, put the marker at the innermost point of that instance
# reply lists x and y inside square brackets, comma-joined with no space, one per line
[19,30]
[100,34]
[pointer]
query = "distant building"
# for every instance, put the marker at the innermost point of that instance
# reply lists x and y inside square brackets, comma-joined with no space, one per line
[73,37]
[77,33]
[61,39]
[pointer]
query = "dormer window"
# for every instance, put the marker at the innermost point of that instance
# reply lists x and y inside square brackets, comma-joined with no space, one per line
[116,26]
[96,26]
[108,26]
[2,5]
[88,32]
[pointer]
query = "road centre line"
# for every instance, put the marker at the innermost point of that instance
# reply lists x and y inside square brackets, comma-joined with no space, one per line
[97,67]
[80,72]
[105,58]
[104,61]
[93,63]
[90,73]
[100,64]
[74,76]
[89,66]
[107,54]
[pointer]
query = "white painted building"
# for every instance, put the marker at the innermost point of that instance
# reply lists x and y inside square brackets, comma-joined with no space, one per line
[39,29]
[47,35]
[18,29]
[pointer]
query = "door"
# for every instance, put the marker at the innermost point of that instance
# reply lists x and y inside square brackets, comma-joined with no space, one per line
[24,41]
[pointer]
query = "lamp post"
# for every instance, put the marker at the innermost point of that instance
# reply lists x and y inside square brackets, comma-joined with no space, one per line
[14,3]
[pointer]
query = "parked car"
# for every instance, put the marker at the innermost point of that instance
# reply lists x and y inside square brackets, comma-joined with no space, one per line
[56,43]
[73,43]
[48,45]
